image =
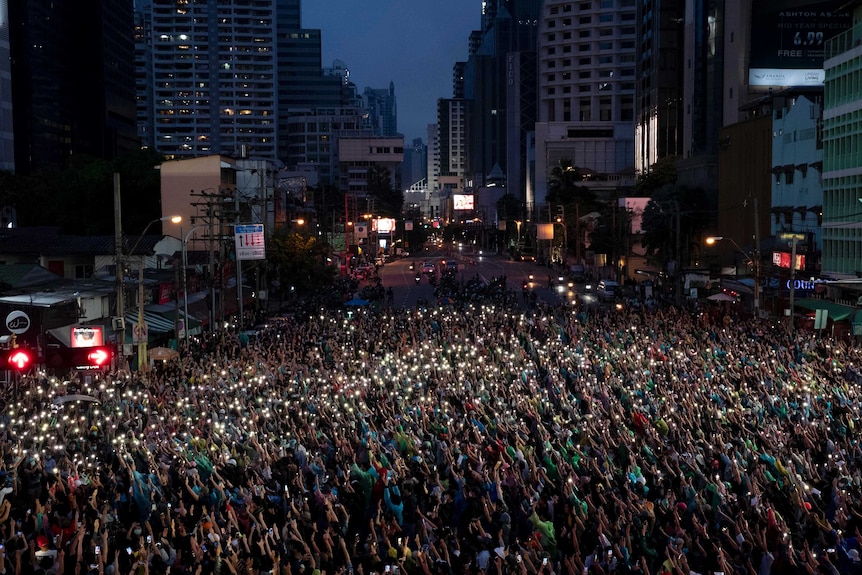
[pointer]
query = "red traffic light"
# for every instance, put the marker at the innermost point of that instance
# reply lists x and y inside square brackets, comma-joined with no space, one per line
[19,359]
[98,356]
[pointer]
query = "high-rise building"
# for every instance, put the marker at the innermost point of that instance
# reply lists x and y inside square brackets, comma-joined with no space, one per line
[587,65]
[415,167]
[213,76]
[658,88]
[842,153]
[7,140]
[72,81]
[499,84]
[451,134]
[382,110]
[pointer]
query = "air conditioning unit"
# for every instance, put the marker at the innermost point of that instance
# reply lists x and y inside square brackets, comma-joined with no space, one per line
[117,323]
[859,301]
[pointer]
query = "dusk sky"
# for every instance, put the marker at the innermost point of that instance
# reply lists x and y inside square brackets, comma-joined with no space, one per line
[414,43]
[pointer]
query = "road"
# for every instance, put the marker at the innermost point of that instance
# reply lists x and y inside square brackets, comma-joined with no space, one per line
[398,275]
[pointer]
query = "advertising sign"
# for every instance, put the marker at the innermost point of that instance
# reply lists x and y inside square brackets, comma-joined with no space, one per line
[249,242]
[462,202]
[787,41]
[86,336]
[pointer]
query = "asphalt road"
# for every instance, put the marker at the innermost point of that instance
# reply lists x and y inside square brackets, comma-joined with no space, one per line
[398,275]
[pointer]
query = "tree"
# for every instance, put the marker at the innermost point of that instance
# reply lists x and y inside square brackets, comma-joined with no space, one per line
[80,198]
[659,223]
[299,261]
[662,173]
[563,186]
[387,200]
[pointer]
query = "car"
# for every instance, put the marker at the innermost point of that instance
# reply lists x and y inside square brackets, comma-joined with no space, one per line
[607,290]
[428,268]
[578,273]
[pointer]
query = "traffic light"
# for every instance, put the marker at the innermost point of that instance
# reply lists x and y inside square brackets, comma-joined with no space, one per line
[19,359]
[85,358]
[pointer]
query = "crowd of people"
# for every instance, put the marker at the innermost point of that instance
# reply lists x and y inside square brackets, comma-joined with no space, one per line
[438,442]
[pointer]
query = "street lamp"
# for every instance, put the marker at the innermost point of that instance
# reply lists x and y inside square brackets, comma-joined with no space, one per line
[142,343]
[752,261]
[185,280]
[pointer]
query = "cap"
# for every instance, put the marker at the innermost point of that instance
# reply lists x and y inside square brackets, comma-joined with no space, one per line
[42,541]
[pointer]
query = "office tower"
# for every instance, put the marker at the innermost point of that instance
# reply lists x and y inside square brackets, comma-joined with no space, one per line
[587,64]
[842,153]
[415,167]
[7,140]
[497,74]
[658,88]
[212,70]
[382,110]
[451,134]
[72,81]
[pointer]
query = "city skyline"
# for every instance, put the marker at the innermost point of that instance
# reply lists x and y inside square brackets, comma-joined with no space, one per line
[373,44]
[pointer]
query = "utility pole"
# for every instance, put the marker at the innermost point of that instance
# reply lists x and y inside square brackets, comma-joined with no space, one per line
[118,261]
[757,259]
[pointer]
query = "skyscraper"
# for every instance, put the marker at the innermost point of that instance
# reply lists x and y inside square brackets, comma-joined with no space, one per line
[659,106]
[72,81]
[7,140]
[587,63]
[212,69]
[382,110]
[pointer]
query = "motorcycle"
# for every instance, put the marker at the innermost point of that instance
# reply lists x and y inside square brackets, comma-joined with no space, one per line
[418,278]
[412,266]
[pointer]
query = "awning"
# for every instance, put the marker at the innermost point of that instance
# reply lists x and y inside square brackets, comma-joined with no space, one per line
[155,322]
[192,323]
[836,311]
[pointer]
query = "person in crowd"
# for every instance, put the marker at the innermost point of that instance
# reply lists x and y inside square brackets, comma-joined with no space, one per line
[479,440]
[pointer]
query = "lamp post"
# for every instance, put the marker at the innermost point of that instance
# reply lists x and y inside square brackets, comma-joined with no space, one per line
[142,345]
[752,261]
[185,278]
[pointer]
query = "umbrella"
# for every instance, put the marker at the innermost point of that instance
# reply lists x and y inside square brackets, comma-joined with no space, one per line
[163,353]
[721,297]
[75,397]
[356,302]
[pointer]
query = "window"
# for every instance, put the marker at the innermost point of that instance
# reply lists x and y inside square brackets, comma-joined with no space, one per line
[585,61]
[83,271]
[585,75]
[586,19]
[606,18]
[552,50]
[606,45]
[584,33]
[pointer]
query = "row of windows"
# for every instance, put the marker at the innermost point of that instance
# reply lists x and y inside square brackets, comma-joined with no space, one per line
[843,83]
[624,31]
[586,6]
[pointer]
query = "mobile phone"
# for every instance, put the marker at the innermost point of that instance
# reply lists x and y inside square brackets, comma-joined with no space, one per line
[129,550]
[169,504]
[270,530]
[98,550]
[204,548]
[545,561]
[387,569]
[518,556]
[149,538]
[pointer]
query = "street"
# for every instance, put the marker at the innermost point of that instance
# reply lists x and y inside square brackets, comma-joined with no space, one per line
[398,275]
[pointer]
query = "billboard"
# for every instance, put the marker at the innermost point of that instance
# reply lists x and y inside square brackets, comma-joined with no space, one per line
[383,225]
[462,201]
[788,39]
[782,260]
[86,336]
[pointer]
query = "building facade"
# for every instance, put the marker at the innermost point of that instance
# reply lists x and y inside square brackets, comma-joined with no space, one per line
[587,65]
[63,108]
[211,73]
[842,153]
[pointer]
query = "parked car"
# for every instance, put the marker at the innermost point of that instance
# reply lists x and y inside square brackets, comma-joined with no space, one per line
[607,290]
